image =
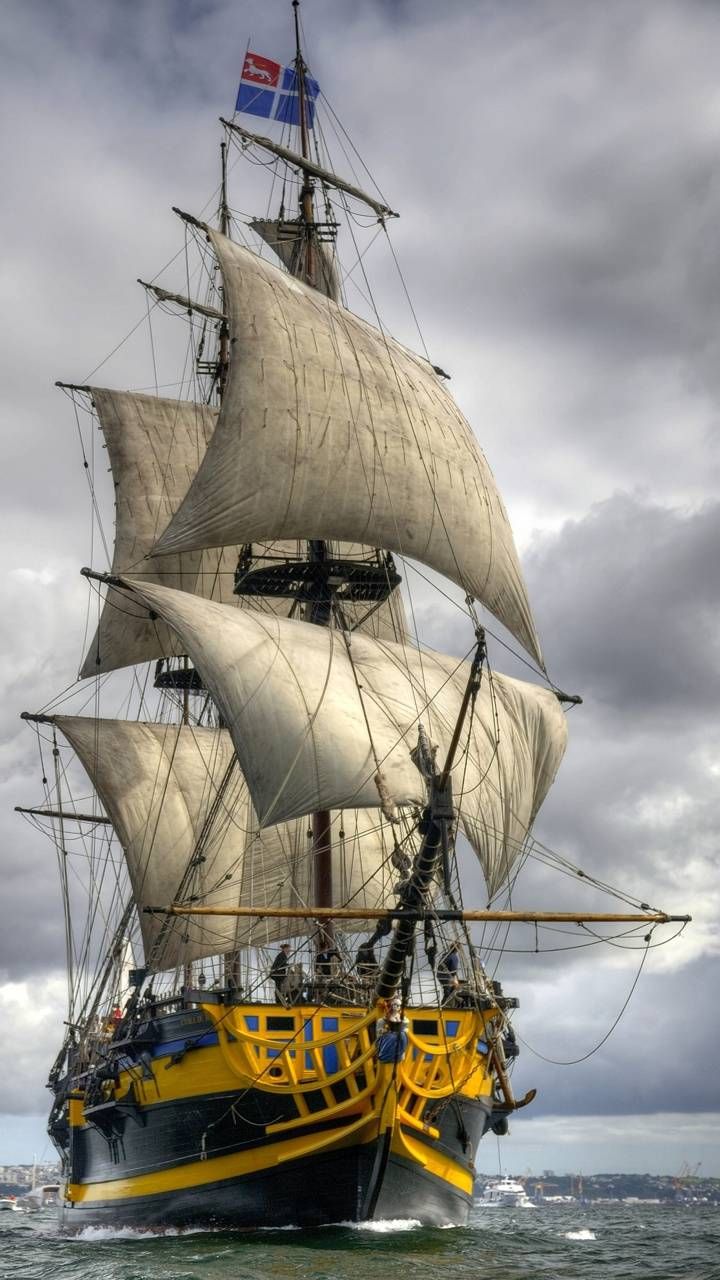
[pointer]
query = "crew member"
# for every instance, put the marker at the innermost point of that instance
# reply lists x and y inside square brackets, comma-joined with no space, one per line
[366,961]
[447,972]
[279,968]
[324,959]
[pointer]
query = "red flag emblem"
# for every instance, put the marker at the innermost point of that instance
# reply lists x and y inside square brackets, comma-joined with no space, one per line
[261,70]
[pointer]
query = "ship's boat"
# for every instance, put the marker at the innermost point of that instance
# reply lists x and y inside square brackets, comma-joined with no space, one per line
[278,1013]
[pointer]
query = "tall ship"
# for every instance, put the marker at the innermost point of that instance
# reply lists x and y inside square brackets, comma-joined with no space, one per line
[265,790]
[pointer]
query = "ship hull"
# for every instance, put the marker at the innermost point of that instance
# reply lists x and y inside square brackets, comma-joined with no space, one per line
[333,1136]
[336,1187]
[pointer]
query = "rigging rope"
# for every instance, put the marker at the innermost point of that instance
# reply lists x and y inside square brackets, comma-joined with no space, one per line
[572,1062]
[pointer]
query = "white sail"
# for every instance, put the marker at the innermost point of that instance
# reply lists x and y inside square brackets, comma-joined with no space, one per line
[159,784]
[155,447]
[299,710]
[287,239]
[329,429]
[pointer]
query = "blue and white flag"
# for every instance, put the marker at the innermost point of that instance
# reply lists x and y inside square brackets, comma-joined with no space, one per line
[268,89]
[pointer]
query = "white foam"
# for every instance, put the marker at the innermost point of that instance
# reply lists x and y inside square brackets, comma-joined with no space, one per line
[384,1226]
[289,1227]
[135,1233]
[583,1234]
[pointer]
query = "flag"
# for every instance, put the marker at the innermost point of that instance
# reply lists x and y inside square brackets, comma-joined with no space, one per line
[268,89]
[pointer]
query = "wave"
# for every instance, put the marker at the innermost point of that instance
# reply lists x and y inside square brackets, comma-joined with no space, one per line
[94,1234]
[384,1226]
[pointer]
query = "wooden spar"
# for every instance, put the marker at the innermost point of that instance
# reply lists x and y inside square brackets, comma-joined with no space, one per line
[164,295]
[307,209]
[185,692]
[316,170]
[231,959]
[64,813]
[366,913]
[320,613]
[436,821]
[224,210]
[224,347]
[322,860]
[503,1079]
[320,610]
[471,689]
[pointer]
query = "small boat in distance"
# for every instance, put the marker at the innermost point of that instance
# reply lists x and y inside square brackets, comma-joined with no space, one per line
[45,1196]
[10,1203]
[505,1194]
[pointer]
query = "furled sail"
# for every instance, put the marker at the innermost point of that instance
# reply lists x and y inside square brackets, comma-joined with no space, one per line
[158,784]
[299,709]
[155,447]
[287,239]
[330,429]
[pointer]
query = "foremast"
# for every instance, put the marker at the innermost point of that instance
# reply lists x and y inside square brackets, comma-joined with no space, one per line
[435,828]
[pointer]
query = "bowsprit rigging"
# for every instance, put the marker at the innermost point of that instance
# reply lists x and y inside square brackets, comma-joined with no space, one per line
[273,983]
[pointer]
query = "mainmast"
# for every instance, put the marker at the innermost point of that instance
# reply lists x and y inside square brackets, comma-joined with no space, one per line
[319,609]
[325,581]
[307,208]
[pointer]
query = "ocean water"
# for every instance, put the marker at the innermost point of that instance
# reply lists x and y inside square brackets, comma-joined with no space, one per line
[607,1242]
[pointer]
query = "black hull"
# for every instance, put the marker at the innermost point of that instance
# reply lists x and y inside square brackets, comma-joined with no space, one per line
[355,1184]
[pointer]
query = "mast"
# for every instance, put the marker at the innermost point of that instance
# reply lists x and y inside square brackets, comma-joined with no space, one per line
[62,861]
[231,959]
[187,967]
[224,349]
[307,210]
[320,608]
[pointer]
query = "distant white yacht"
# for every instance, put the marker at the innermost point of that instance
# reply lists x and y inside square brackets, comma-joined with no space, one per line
[506,1194]
[44,1196]
[9,1202]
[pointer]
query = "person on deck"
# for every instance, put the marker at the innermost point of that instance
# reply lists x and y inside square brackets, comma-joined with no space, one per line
[366,961]
[279,968]
[447,972]
[324,961]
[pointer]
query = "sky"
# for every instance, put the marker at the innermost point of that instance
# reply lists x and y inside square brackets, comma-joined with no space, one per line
[555,168]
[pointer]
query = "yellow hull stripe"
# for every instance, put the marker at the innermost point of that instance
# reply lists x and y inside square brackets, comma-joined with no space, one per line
[218,1168]
[436,1163]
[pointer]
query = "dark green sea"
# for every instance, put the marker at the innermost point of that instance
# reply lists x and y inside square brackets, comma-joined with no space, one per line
[604,1242]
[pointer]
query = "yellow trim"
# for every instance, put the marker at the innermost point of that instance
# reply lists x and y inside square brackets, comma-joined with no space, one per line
[229,1021]
[200,1172]
[406,1117]
[217,1068]
[76,1111]
[436,1162]
[329,1114]
[237,1060]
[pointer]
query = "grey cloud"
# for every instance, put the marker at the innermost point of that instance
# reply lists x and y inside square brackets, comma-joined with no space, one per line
[554,166]
[667,1028]
[629,599]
